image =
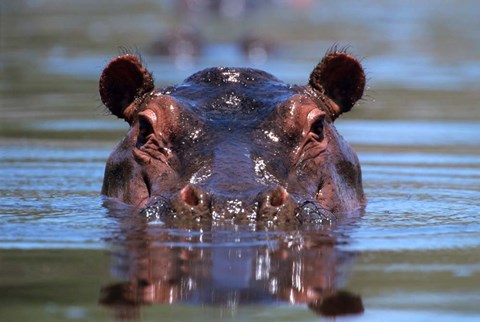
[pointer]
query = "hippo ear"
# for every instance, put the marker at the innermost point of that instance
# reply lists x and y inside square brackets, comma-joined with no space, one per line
[340,76]
[123,80]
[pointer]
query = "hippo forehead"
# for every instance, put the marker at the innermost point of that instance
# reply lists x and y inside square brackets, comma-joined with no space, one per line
[231,95]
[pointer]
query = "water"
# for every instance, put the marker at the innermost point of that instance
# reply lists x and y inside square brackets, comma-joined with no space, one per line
[412,255]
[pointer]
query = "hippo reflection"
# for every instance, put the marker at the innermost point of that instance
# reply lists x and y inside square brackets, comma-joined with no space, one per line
[226,267]
[235,143]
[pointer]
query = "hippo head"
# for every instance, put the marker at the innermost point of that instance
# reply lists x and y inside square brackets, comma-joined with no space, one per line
[235,143]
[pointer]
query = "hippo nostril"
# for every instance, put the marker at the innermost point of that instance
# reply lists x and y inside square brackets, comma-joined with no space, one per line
[191,203]
[278,197]
[274,198]
[191,195]
[277,206]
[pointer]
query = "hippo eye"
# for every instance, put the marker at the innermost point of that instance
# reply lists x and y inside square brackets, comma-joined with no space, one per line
[316,129]
[145,129]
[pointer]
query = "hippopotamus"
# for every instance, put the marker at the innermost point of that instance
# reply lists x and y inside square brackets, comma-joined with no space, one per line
[235,144]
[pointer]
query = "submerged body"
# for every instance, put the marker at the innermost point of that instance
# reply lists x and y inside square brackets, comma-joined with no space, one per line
[235,143]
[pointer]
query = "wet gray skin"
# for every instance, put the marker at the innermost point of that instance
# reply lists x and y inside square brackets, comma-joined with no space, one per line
[235,144]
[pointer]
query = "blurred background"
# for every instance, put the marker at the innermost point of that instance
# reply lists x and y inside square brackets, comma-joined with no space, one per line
[422,57]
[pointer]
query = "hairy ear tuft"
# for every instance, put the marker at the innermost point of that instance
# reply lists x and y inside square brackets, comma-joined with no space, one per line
[341,77]
[122,81]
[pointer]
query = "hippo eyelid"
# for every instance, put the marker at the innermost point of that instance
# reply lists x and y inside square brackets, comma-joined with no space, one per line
[317,126]
[145,126]
[147,120]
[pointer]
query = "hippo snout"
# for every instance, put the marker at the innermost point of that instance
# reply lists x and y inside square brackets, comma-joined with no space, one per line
[270,206]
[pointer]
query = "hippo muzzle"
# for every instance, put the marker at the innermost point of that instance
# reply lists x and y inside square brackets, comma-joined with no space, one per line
[270,207]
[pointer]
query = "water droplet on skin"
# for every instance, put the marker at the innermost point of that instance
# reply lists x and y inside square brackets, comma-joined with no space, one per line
[195,134]
[261,172]
[200,176]
[271,136]
[235,207]
[232,76]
